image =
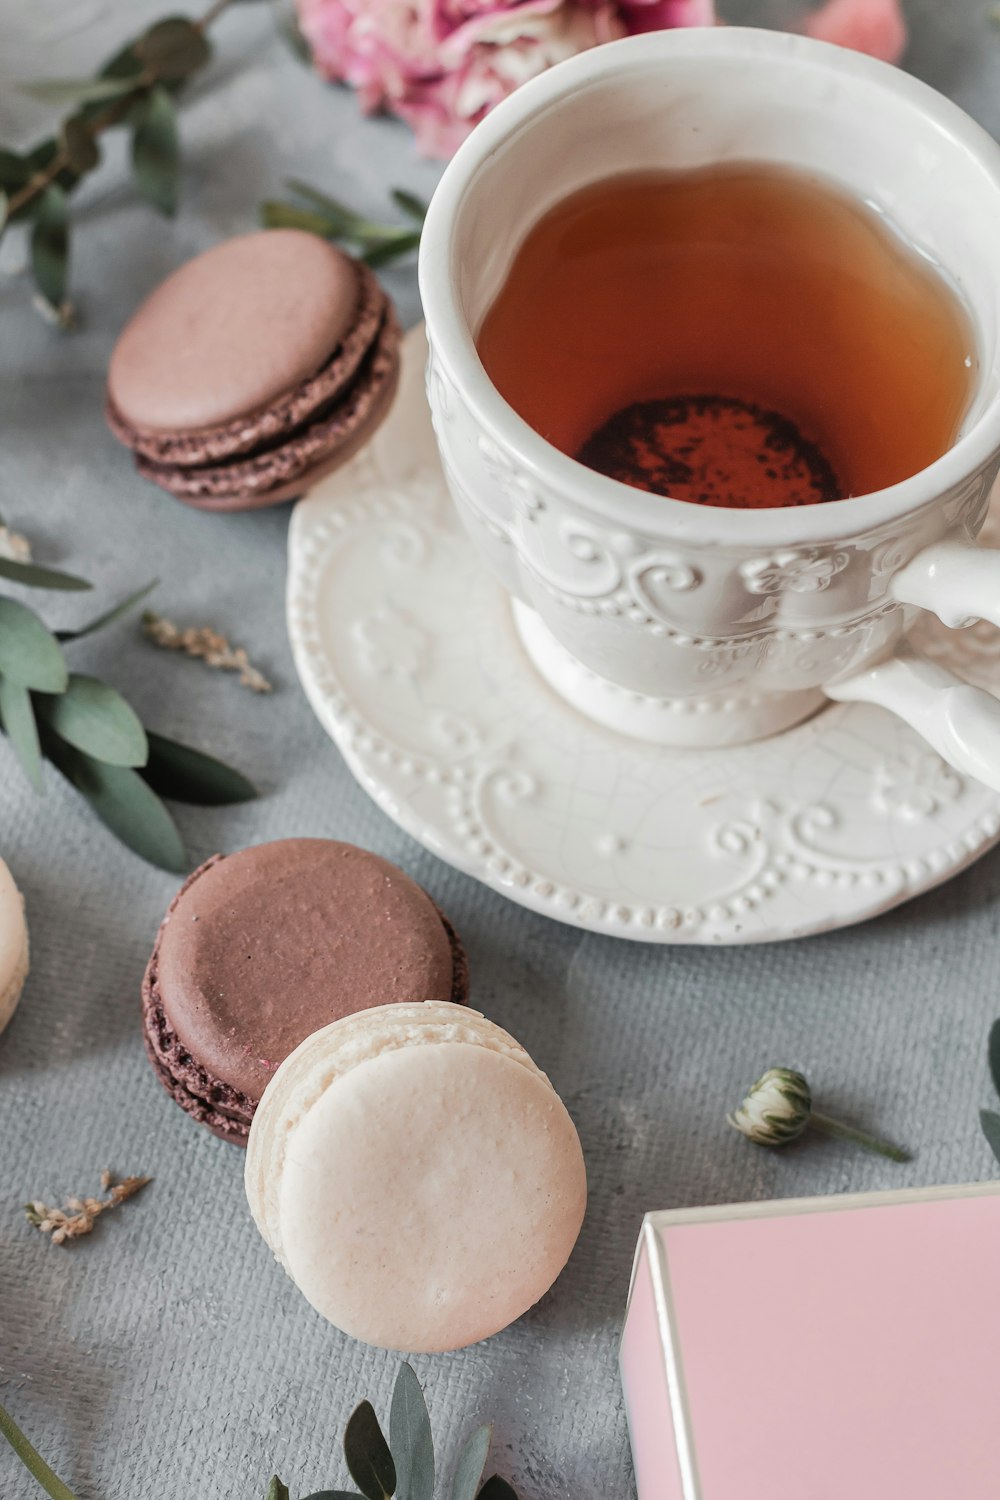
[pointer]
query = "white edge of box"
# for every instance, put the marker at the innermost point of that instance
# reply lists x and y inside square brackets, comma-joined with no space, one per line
[650,1237]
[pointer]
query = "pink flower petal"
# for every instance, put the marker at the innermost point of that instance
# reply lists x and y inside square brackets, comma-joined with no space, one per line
[873,26]
[658,15]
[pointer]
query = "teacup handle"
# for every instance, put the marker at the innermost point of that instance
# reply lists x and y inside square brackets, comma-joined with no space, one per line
[959,721]
[960,583]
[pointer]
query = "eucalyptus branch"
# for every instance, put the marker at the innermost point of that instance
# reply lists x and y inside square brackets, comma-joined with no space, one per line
[402,1466]
[135,88]
[319,214]
[90,733]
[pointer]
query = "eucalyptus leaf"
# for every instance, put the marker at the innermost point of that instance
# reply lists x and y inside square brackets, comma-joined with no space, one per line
[471,1462]
[50,245]
[990,1121]
[31,576]
[125,63]
[156,151]
[410,1438]
[40,158]
[277,215]
[497,1489]
[14,170]
[183,774]
[994,1054]
[17,717]
[109,615]
[367,1452]
[79,144]
[173,48]
[415,207]
[29,653]
[75,90]
[276,1490]
[4,210]
[402,244]
[124,803]
[95,718]
[352,226]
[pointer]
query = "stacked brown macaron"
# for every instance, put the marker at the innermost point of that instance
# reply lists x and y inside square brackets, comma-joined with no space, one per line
[262,948]
[253,370]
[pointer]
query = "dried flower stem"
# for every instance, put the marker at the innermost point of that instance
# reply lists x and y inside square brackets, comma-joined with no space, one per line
[81,1214]
[32,1459]
[207,645]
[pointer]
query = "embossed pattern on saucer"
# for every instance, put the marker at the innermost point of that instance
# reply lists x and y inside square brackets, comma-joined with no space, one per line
[407,650]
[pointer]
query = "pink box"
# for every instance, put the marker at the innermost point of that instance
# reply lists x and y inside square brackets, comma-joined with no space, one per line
[822,1349]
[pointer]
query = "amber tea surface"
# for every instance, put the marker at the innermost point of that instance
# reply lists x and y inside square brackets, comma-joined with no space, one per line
[741,335]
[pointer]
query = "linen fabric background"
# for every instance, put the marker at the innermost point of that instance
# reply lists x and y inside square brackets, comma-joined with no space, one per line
[168,1355]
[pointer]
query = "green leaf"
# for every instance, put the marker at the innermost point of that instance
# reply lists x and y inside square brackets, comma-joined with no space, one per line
[415,207]
[79,144]
[50,245]
[4,200]
[277,215]
[125,63]
[410,1438]
[381,255]
[75,90]
[187,775]
[34,577]
[497,1489]
[33,1460]
[990,1121]
[124,804]
[29,653]
[109,615]
[367,1452]
[94,718]
[18,720]
[276,1490]
[172,49]
[471,1462]
[156,151]
[14,170]
[352,226]
[337,212]
[994,1054]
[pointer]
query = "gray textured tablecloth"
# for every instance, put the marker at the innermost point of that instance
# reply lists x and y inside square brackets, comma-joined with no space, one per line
[168,1356]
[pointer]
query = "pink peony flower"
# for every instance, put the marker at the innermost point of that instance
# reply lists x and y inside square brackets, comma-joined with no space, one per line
[873,26]
[442,65]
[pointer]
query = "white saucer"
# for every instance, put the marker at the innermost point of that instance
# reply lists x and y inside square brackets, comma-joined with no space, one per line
[408,652]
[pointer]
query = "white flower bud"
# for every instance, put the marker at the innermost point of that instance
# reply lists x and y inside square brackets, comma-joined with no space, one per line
[776,1110]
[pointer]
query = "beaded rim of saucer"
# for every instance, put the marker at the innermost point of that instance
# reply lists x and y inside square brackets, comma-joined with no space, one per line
[408,652]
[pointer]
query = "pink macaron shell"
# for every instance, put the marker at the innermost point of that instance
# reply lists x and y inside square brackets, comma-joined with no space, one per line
[232,330]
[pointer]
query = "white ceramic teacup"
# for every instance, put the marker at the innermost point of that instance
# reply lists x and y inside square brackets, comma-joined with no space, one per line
[687,624]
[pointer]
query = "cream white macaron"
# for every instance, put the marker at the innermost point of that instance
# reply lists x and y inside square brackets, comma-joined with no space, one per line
[417,1176]
[13,945]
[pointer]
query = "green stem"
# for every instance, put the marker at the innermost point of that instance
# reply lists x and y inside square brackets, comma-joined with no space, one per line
[840,1132]
[32,1459]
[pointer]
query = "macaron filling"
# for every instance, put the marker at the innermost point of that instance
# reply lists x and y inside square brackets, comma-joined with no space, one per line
[270,465]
